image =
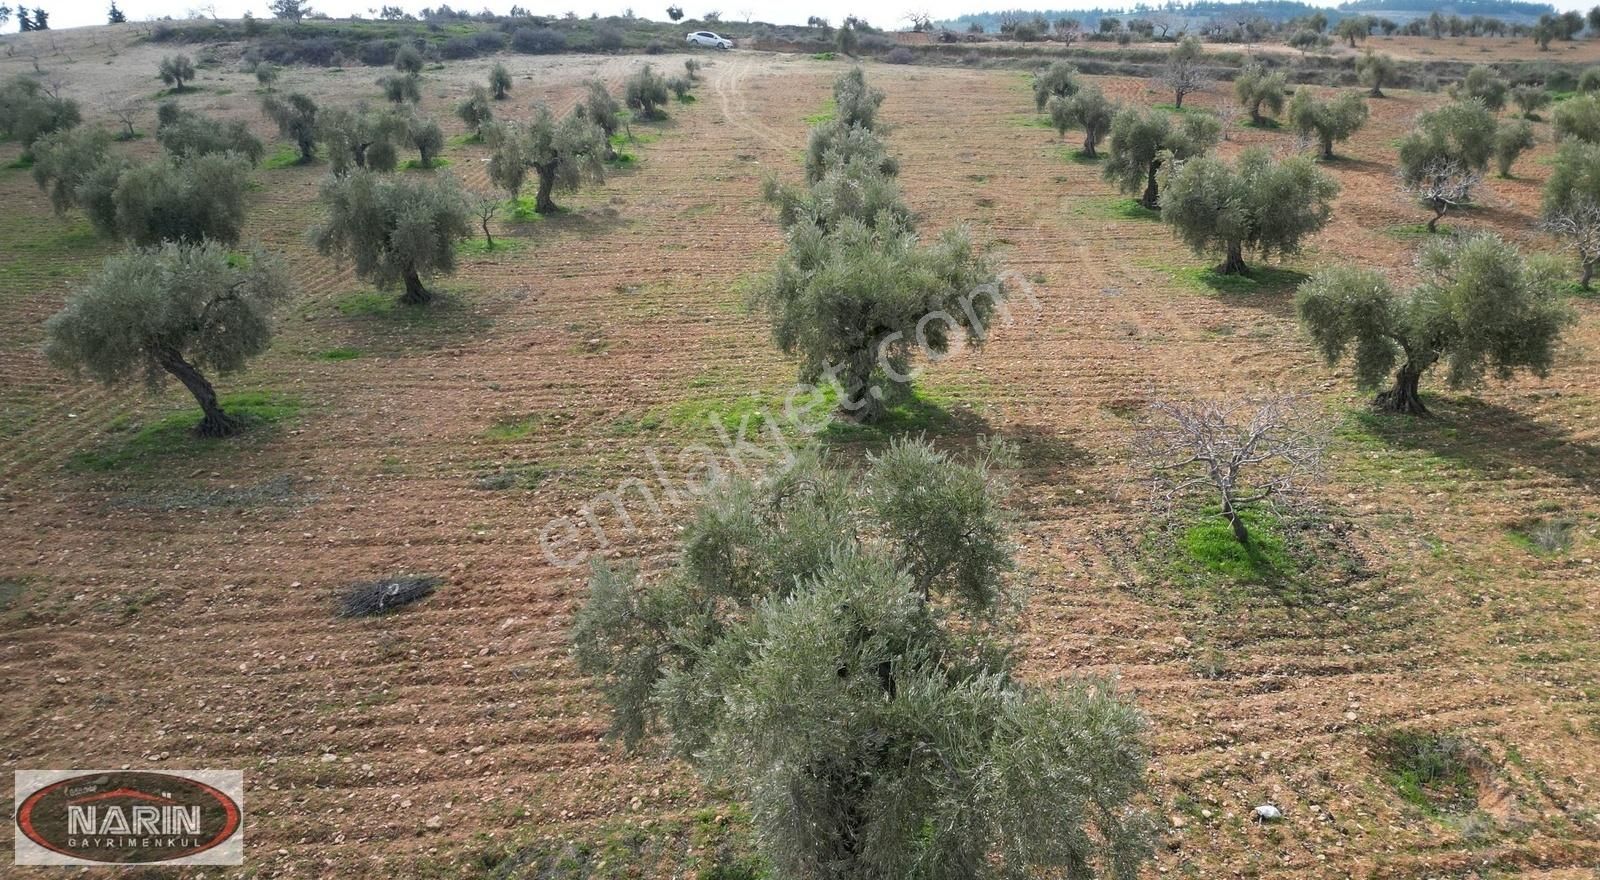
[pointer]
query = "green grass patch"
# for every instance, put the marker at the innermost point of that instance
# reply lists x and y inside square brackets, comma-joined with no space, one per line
[686,98]
[1416,230]
[1543,536]
[1174,108]
[1432,771]
[1078,157]
[1030,120]
[1114,209]
[521,210]
[462,140]
[1578,290]
[1261,279]
[1267,123]
[416,165]
[518,475]
[342,353]
[520,427]
[21,163]
[386,306]
[477,247]
[628,136]
[825,115]
[283,157]
[56,252]
[1209,546]
[171,438]
[822,56]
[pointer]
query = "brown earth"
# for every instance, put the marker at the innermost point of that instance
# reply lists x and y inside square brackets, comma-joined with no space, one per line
[181,615]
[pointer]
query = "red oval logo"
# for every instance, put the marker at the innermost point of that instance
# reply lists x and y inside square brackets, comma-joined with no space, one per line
[128,817]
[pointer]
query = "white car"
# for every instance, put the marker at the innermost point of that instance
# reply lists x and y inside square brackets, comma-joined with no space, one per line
[709,40]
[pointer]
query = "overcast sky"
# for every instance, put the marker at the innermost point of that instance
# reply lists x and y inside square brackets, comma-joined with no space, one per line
[72,13]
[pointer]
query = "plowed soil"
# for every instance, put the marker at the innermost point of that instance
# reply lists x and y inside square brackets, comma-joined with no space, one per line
[180,614]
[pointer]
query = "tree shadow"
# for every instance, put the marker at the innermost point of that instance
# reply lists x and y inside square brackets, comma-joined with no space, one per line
[587,222]
[1043,455]
[1490,439]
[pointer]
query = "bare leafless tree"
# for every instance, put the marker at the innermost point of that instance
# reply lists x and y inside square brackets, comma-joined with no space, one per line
[1443,184]
[1184,73]
[484,207]
[1228,114]
[1578,224]
[920,20]
[128,113]
[1246,452]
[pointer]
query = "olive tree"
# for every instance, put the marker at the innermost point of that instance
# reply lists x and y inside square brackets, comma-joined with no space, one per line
[1578,119]
[854,102]
[1087,109]
[1059,80]
[836,648]
[832,144]
[1530,100]
[187,134]
[562,154]
[1481,84]
[646,92]
[1184,73]
[1571,205]
[28,112]
[178,310]
[1353,28]
[1511,140]
[476,111]
[601,107]
[1328,121]
[394,230]
[1443,159]
[405,88]
[426,137]
[1374,70]
[500,82]
[361,138]
[266,75]
[1255,87]
[176,70]
[1260,205]
[296,118]
[1480,307]
[170,199]
[63,160]
[408,61]
[1142,140]
[853,301]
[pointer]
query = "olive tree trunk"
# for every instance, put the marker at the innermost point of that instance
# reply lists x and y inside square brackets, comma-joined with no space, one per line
[1152,197]
[1438,214]
[215,422]
[415,294]
[1588,275]
[1405,397]
[1235,520]
[1233,264]
[547,184]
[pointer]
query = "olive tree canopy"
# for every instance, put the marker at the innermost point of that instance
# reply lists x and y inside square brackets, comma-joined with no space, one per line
[1327,121]
[833,647]
[394,229]
[171,199]
[1480,308]
[175,310]
[563,154]
[1259,204]
[1255,88]
[1143,139]
[1059,80]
